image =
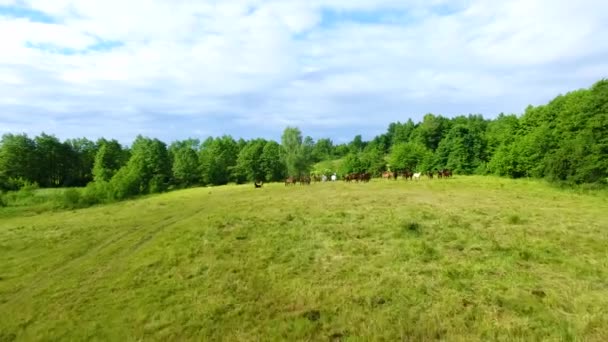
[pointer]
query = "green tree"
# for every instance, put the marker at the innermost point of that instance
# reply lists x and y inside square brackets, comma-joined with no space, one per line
[18,160]
[407,156]
[109,159]
[431,131]
[54,160]
[463,149]
[295,153]
[308,146]
[217,160]
[401,132]
[525,157]
[323,150]
[249,164]
[357,145]
[501,131]
[341,150]
[82,166]
[272,165]
[351,163]
[147,171]
[372,160]
[184,162]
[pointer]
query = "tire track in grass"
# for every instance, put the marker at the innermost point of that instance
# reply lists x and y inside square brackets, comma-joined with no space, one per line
[42,281]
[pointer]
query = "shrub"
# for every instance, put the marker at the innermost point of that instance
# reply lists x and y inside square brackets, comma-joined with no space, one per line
[17,183]
[124,184]
[95,192]
[71,198]
[26,193]
[157,184]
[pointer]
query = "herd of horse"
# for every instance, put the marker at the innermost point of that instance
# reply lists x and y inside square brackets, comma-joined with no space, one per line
[365,176]
[304,180]
[358,177]
[409,175]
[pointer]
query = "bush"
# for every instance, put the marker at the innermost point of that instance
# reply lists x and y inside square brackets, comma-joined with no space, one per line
[96,192]
[26,193]
[16,184]
[157,184]
[124,184]
[71,199]
[3,202]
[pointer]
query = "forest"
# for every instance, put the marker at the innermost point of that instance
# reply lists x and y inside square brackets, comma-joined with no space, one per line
[564,141]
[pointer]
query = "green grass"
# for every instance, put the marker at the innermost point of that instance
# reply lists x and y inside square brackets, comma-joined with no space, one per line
[470,258]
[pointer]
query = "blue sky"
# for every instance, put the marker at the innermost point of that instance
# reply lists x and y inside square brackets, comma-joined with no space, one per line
[249,68]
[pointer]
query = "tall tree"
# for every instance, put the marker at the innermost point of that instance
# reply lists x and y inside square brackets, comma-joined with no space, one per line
[407,156]
[341,150]
[295,154]
[147,171]
[185,163]
[82,166]
[54,159]
[351,163]
[401,132]
[217,160]
[272,165]
[357,144]
[323,149]
[431,130]
[501,131]
[18,159]
[109,159]
[249,164]
[463,149]
[372,160]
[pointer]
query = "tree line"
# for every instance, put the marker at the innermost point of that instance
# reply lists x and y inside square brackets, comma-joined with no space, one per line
[565,140]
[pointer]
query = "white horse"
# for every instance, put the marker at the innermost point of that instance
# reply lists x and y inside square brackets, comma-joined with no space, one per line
[417,176]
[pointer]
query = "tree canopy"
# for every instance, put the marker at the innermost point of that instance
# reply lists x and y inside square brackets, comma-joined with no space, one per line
[565,140]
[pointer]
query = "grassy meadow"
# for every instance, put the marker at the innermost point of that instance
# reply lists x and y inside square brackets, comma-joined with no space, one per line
[464,259]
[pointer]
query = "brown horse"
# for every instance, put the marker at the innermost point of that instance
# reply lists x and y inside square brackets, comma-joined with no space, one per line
[351,177]
[290,181]
[430,174]
[304,180]
[447,173]
[387,175]
[258,185]
[407,174]
[365,177]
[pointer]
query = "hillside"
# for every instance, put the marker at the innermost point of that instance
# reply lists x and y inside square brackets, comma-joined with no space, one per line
[470,258]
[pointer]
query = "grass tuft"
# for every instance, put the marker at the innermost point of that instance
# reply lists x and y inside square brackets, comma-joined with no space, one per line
[514,219]
[411,227]
[312,315]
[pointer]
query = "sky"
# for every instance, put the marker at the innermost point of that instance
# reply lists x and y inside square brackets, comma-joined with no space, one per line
[174,69]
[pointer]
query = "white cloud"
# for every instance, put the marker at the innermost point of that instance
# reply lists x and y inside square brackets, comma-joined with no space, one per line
[265,64]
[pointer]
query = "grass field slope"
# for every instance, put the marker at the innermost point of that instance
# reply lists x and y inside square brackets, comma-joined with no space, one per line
[469,258]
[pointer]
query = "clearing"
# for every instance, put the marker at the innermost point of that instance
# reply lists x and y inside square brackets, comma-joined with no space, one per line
[469,258]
